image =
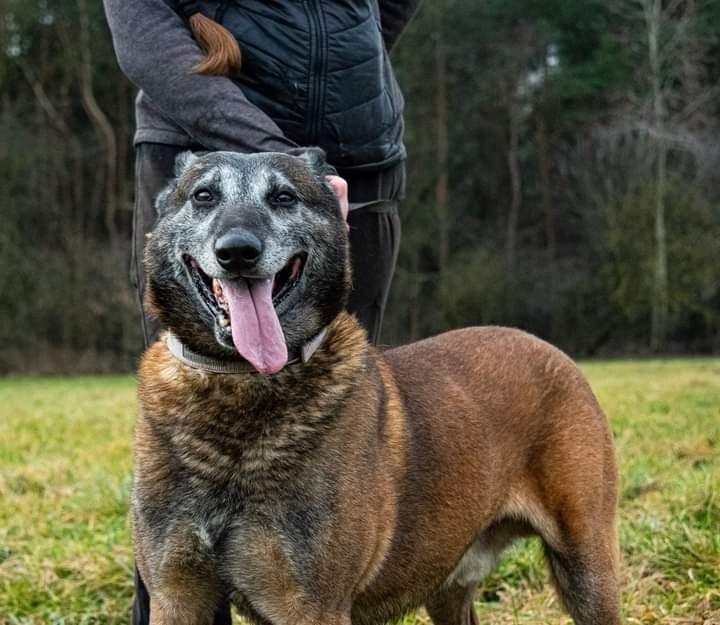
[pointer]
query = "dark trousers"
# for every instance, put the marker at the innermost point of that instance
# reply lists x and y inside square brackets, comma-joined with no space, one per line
[374,243]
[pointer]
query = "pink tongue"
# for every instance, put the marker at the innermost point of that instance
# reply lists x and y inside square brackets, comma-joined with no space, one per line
[256,329]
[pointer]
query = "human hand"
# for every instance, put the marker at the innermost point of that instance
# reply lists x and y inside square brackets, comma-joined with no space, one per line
[340,186]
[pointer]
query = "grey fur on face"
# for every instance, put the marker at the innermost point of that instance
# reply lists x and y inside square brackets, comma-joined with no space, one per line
[244,190]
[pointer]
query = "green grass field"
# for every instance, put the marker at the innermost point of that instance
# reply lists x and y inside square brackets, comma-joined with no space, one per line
[65,474]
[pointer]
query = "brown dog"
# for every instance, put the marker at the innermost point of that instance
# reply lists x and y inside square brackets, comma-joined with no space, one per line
[350,485]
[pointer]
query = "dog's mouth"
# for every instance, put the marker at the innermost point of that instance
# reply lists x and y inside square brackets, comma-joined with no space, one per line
[245,310]
[287,278]
[212,295]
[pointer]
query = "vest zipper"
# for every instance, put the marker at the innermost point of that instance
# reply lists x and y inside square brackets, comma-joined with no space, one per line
[318,53]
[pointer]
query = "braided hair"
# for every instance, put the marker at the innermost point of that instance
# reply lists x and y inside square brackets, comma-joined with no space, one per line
[222,52]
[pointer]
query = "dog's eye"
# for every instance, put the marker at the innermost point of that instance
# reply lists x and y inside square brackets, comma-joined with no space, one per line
[203,195]
[284,198]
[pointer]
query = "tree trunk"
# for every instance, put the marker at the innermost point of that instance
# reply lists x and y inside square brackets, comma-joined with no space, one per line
[660,287]
[513,164]
[441,129]
[541,141]
[659,315]
[416,306]
[102,125]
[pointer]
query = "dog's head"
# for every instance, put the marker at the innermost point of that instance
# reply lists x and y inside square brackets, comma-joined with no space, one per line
[249,256]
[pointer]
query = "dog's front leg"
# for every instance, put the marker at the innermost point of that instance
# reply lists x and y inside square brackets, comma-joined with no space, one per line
[181,578]
[184,612]
[322,617]
[184,606]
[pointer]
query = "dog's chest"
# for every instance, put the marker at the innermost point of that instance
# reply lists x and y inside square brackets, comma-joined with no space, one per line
[264,557]
[253,451]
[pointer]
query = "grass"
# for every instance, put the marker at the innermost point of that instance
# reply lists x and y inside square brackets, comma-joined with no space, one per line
[65,471]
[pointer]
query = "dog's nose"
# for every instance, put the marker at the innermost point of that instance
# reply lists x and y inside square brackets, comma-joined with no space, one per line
[238,250]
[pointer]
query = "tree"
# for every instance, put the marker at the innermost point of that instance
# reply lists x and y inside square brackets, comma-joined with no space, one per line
[670,106]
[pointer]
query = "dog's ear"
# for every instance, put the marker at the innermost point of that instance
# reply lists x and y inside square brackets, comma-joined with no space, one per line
[183,162]
[163,198]
[315,158]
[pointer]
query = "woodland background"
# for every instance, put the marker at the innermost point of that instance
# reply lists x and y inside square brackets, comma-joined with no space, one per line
[564,177]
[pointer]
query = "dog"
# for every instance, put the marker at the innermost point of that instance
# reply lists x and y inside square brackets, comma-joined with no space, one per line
[283,463]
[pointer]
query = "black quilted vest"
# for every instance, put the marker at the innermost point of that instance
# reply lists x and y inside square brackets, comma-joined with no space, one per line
[320,70]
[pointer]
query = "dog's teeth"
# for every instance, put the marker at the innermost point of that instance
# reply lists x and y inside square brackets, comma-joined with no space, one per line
[224,322]
[217,291]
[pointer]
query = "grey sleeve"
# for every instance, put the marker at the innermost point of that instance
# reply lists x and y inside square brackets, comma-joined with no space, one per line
[395,15]
[156,51]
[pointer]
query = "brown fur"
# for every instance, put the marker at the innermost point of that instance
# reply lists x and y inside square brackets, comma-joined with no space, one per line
[349,488]
[223,56]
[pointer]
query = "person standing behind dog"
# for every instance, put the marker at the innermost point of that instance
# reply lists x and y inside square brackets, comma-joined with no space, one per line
[271,75]
[313,72]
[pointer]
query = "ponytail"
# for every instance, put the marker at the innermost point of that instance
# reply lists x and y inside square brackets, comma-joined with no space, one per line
[221,49]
